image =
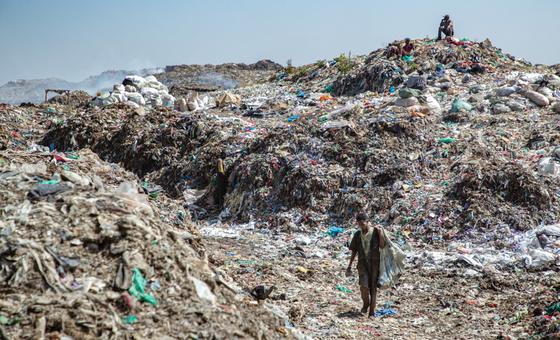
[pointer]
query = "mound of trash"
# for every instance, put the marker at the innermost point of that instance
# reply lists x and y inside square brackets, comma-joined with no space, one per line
[520,200]
[455,150]
[320,159]
[89,251]
[74,99]
[184,78]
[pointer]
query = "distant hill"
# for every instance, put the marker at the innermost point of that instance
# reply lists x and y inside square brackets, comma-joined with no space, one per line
[20,91]
[179,78]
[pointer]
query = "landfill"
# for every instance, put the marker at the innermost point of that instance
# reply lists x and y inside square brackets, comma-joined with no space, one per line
[220,211]
[86,253]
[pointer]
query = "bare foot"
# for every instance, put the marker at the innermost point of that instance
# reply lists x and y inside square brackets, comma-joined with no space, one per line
[364,310]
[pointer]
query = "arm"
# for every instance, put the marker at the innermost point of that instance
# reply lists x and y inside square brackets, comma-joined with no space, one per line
[352,259]
[354,248]
[349,269]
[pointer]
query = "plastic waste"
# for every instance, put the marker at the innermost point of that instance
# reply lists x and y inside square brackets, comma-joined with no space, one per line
[335,231]
[227,99]
[47,190]
[554,308]
[391,264]
[408,58]
[506,91]
[137,289]
[460,106]
[440,70]
[50,181]
[417,82]
[293,118]
[129,319]
[343,289]
[539,258]
[75,178]
[135,97]
[203,291]
[406,102]
[515,105]
[8,322]
[433,105]
[447,140]
[382,312]
[549,166]
[532,77]
[408,93]
[549,230]
[129,192]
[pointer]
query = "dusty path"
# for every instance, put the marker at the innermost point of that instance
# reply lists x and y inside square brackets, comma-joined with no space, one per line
[430,303]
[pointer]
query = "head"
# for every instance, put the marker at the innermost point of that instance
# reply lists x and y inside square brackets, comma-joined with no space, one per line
[446,17]
[362,221]
[407,41]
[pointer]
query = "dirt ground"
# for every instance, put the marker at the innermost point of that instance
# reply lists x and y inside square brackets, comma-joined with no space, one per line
[429,303]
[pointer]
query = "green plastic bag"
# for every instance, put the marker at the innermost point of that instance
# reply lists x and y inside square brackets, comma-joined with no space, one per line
[447,140]
[407,58]
[460,106]
[553,308]
[408,93]
[137,289]
[130,319]
[343,289]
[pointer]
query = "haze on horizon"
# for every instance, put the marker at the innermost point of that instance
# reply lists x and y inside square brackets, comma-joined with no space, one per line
[73,40]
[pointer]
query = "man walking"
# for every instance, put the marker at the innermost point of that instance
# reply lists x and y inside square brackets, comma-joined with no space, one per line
[366,243]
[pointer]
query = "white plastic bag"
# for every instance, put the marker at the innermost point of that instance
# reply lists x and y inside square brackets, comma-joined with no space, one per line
[391,263]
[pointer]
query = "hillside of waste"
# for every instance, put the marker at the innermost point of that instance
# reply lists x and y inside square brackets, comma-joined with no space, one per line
[86,253]
[455,151]
[463,153]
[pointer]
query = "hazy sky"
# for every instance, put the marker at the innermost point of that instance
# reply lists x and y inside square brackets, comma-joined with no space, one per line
[73,39]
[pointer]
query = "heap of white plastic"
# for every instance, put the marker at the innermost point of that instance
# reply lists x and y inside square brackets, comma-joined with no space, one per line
[138,91]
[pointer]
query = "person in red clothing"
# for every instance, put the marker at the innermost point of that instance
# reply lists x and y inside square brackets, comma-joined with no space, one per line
[407,48]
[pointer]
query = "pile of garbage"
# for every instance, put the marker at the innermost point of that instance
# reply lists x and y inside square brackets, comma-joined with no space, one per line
[182,79]
[321,161]
[545,313]
[137,91]
[88,251]
[455,151]
[76,99]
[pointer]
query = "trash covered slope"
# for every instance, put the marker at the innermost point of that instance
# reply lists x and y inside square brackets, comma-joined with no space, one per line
[377,71]
[459,160]
[85,253]
[325,160]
